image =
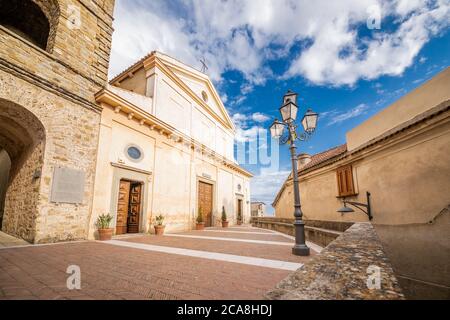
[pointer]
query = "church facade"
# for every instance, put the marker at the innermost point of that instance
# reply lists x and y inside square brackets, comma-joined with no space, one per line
[166,147]
[156,140]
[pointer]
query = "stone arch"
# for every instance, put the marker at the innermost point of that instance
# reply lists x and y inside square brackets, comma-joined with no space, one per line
[22,137]
[34,20]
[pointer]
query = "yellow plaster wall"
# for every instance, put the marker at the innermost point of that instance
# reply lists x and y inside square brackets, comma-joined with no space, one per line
[414,103]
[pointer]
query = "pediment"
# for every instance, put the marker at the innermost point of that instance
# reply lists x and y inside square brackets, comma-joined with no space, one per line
[204,91]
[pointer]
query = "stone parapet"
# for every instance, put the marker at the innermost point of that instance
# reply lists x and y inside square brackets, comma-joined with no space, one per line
[319,232]
[343,270]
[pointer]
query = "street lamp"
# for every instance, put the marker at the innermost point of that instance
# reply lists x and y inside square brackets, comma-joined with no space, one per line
[289,111]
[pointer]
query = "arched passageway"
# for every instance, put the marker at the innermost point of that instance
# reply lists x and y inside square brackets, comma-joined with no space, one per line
[22,143]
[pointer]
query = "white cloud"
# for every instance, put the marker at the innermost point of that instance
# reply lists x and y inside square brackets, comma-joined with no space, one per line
[239,119]
[248,126]
[338,117]
[245,35]
[336,57]
[246,88]
[423,59]
[244,120]
[260,117]
[249,134]
[265,186]
[224,98]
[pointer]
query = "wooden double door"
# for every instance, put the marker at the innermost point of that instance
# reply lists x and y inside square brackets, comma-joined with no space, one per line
[205,201]
[129,207]
[240,210]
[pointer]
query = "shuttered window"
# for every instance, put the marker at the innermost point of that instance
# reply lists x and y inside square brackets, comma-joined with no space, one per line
[345,181]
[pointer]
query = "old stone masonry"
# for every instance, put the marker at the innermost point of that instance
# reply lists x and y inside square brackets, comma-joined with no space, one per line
[54,57]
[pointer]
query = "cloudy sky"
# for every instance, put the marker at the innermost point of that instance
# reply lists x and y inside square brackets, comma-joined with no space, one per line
[344,61]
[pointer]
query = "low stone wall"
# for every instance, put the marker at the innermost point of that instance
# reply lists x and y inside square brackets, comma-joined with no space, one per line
[319,232]
[342,271]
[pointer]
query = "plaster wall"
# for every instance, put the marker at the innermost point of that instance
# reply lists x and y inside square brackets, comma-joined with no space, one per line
[414,103]
[172,171]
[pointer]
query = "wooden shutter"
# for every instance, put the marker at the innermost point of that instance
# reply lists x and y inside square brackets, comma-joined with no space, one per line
[345,181]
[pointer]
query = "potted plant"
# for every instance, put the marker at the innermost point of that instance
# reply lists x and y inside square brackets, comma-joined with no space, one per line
[159,225]
[104,231]
[200,222]
[224,218]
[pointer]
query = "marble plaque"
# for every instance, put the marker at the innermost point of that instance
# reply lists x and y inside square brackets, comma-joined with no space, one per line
[68,186]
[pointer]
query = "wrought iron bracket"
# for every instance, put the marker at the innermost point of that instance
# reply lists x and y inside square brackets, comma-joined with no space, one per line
[366,208]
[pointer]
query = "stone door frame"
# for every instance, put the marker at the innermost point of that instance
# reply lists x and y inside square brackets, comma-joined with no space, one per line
[214,200]
[137,176]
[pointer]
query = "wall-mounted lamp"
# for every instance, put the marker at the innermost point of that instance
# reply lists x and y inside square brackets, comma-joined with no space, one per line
[361,206]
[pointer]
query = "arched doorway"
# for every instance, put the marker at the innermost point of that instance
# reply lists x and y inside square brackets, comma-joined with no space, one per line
[22,143]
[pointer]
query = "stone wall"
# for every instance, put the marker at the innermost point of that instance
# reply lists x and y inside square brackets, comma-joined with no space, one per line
[5,166]
[71,141]
[56,86]
[78,63]
[318,232]
[341,271]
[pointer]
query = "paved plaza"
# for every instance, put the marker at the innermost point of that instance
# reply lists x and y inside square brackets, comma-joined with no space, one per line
[233,263]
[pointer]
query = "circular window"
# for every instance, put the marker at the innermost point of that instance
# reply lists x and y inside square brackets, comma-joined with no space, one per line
[205,96]
[134,153]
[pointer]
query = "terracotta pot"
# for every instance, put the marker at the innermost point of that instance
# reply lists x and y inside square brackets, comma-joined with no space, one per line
[159,230]
[105,234]
[224,224]
[200,226]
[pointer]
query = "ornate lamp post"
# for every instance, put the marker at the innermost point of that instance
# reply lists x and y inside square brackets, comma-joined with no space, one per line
[288,112]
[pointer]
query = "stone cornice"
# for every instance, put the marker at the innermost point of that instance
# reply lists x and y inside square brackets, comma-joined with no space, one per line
[133,112]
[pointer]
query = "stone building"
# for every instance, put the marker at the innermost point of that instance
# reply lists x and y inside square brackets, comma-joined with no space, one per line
[54,57]
[258,209]
[401,156]
[166,147]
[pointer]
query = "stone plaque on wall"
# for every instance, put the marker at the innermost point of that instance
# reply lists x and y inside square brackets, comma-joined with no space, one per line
[68,186]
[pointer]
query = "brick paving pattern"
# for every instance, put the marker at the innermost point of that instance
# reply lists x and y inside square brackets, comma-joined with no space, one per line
[275,252]
[255,236]
[114,272]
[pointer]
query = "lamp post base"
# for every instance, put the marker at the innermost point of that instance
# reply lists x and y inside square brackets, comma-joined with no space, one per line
[300,250]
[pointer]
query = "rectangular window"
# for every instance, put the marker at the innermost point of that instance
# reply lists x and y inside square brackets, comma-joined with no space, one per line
[345,181]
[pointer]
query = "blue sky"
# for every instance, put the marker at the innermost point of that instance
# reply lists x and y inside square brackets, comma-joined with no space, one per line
[347,59]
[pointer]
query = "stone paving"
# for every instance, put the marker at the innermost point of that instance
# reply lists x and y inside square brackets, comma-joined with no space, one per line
[111,271]
[8,241]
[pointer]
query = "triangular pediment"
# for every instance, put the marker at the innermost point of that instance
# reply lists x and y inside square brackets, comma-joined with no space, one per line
[200,86]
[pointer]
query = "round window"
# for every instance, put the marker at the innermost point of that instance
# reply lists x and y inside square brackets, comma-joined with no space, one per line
[205,96]
[134,153]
